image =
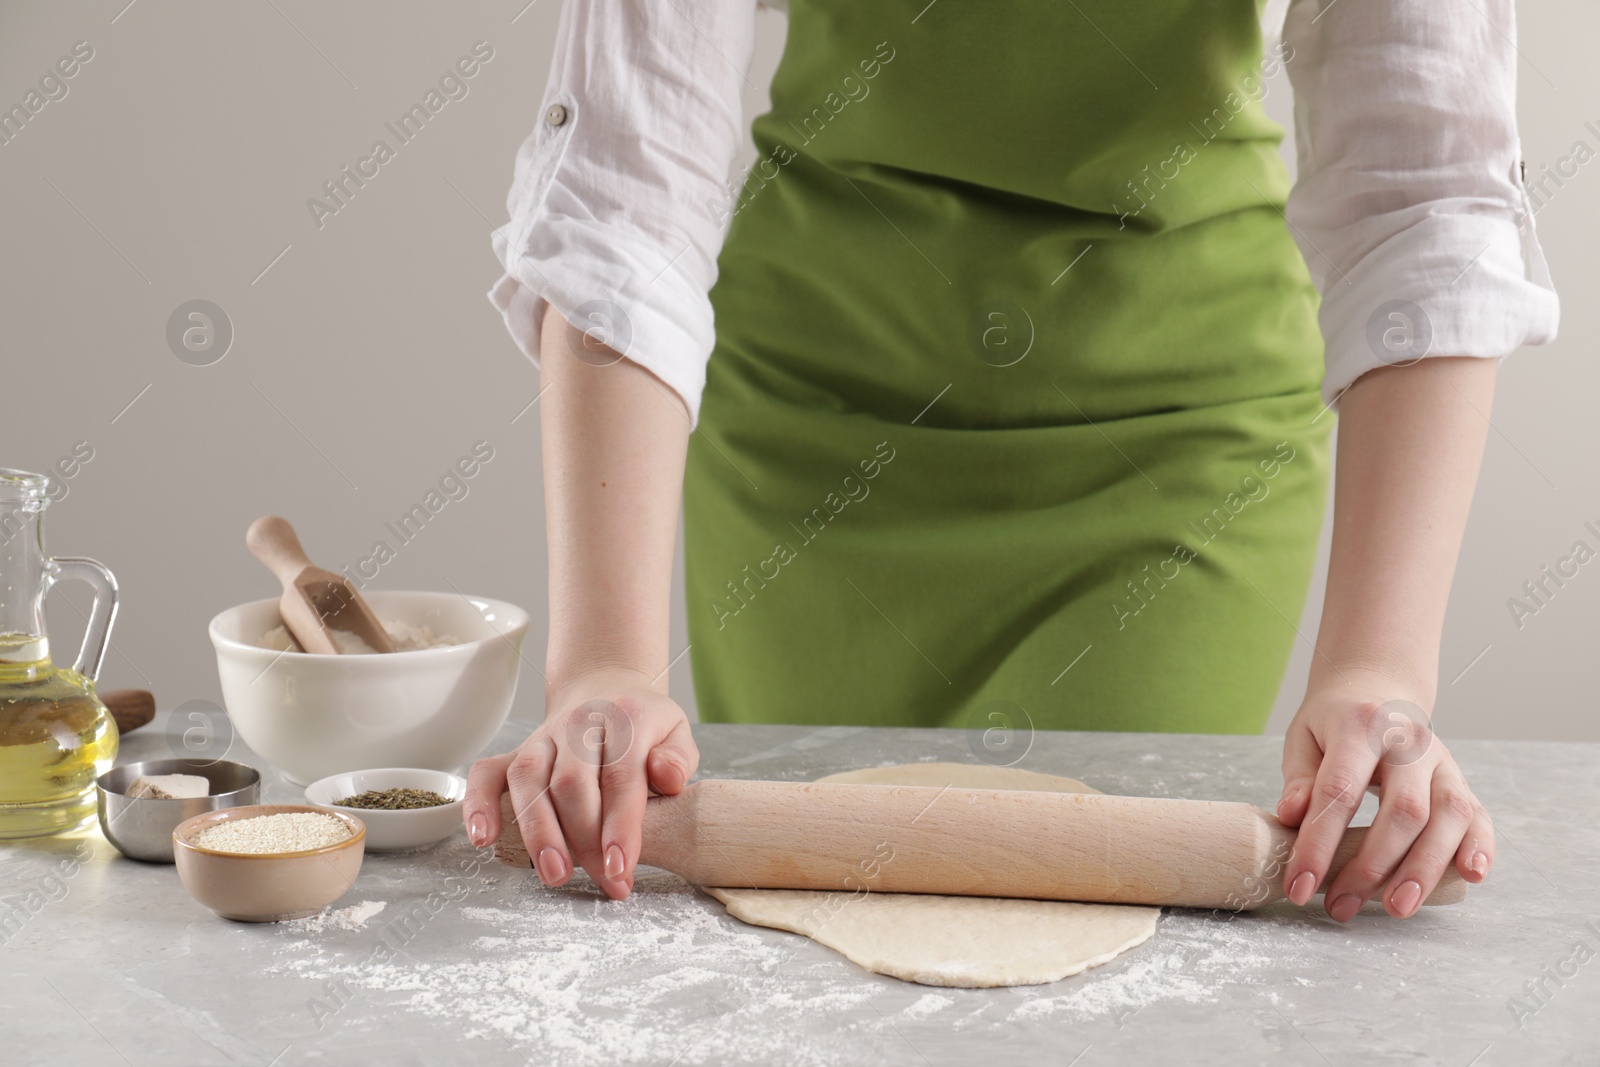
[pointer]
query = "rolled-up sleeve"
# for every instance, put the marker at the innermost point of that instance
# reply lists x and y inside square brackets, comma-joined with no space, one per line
[1409,205]
[618,198]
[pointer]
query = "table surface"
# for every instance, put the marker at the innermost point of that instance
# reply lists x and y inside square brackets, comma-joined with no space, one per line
[446,957]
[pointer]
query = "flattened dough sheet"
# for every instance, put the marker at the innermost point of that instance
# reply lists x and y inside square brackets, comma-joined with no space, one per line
[971,942]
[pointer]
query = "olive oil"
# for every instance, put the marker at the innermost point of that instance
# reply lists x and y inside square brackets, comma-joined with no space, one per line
[56,738]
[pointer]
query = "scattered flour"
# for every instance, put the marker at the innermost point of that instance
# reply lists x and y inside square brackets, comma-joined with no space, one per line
[1193,957]
[582,980]
[929,1004]
[1141,983]
[352,918]
[668,977]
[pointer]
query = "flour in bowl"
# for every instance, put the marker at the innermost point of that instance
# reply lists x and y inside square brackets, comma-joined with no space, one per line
[406,638]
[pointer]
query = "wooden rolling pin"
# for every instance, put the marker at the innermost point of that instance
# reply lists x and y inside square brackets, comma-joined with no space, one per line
[970,842]
[132,708]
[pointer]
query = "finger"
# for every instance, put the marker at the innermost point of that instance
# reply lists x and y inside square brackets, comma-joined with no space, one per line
[673,762]
[1301,757]
[480,810]
[1341,782]
[1451,809]
[529,780]
[623,793]
[575,793]
[1403,807]
[1476,854]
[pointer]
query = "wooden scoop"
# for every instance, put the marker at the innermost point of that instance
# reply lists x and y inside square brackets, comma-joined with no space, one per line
[314,601]
[971,842]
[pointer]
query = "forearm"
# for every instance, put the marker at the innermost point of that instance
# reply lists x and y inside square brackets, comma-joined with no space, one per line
[1410,445]
[614,440]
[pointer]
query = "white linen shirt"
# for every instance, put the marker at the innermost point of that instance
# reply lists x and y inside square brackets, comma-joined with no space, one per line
[1409,205]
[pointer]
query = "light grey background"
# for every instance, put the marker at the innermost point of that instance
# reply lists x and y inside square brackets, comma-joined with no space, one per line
[366,359]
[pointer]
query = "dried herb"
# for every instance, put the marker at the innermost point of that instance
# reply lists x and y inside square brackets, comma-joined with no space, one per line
[394,799]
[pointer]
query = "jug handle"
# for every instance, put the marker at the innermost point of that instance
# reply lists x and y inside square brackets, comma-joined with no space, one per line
[101,615]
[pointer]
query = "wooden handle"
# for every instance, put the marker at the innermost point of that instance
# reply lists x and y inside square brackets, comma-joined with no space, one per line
[132,708]
[272,540]
[969,842]
[314,600]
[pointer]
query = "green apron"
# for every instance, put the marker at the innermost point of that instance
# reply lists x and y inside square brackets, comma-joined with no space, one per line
[1013,417]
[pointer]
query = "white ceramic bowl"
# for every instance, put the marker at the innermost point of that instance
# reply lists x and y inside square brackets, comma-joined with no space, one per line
[403,829]
[314,715]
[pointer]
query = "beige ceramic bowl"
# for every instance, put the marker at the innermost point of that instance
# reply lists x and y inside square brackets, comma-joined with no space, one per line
[269,886]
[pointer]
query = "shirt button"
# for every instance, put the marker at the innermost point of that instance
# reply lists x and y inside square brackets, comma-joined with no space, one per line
[556,116]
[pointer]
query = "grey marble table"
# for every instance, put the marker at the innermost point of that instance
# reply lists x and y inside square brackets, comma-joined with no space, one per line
[445,957]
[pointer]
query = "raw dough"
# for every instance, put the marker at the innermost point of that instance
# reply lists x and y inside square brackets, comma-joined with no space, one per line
[970,942]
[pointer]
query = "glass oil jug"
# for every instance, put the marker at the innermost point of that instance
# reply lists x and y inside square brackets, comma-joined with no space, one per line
[56,737]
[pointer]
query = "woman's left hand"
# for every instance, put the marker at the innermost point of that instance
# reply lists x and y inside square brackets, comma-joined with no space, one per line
[1363,731]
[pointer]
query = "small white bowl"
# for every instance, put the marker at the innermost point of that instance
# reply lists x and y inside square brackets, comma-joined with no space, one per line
[398,830]
[313,715]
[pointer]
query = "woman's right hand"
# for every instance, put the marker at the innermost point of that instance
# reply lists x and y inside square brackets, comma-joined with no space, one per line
[579,783]
[613,438]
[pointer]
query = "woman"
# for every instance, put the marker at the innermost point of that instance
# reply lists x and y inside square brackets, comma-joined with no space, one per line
[1019,407]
